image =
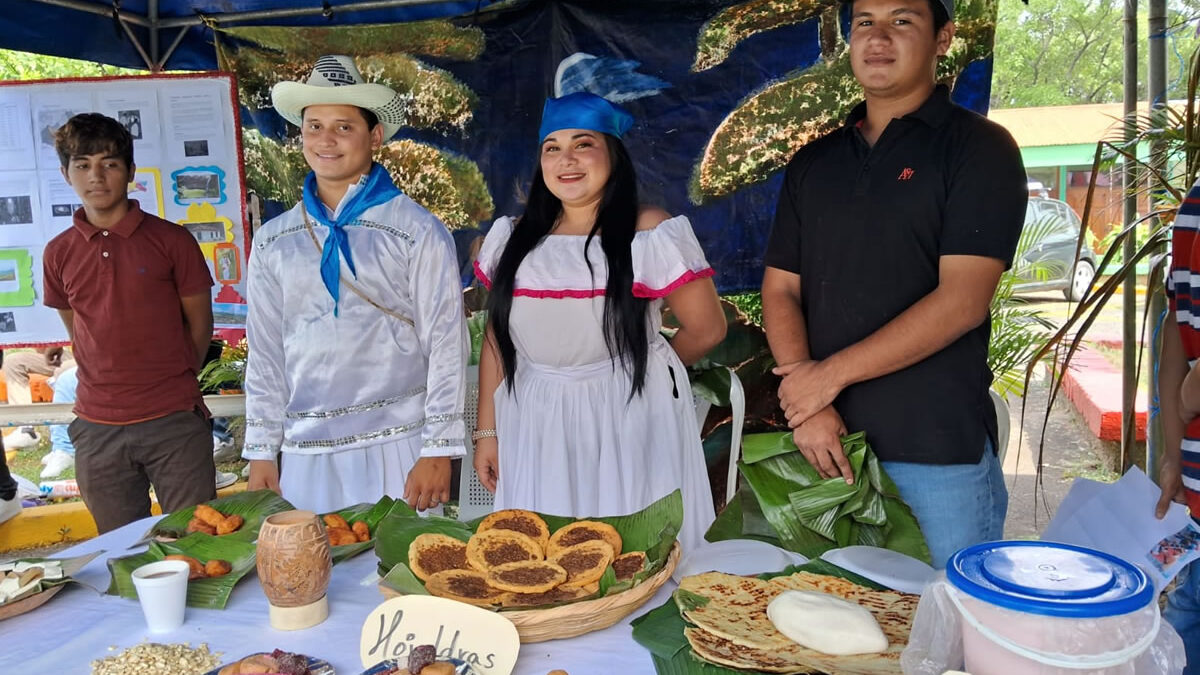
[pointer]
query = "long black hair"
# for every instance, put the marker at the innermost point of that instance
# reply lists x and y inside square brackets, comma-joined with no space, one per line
[625,330]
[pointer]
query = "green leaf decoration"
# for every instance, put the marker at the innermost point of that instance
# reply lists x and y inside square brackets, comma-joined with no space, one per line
[787,503]
[450,186]
[723,32]
[373,515]
[209,593]
[660,631]
[253,506]
[437,38]
[654,530]
[274,170]
[762,134]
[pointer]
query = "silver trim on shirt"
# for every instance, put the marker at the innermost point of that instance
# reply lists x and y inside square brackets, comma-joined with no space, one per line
[357,408]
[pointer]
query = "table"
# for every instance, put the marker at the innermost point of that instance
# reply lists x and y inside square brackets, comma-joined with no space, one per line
[78,625]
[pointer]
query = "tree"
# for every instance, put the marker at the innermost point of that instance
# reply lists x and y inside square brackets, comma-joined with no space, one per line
[16,65]
[1068,52]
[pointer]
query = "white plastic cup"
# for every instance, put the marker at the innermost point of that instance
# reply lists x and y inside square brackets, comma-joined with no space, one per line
[162,591]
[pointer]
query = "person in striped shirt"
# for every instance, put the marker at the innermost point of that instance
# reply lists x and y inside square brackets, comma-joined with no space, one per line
[1179,401]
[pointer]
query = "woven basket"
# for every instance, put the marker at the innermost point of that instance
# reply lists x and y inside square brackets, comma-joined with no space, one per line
[577,618]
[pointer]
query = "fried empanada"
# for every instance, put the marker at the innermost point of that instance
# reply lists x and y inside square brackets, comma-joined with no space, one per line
[209,515]
[217,568]
[195,567]
[340,536]
[197,525]
[230,524]
[334,520]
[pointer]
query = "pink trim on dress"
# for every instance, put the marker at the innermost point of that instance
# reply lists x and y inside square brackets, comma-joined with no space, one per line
[557,295]
[483,278]
[640,290]
[643,291]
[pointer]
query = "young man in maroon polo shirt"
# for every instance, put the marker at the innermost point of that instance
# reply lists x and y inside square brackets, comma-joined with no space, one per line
[133,291]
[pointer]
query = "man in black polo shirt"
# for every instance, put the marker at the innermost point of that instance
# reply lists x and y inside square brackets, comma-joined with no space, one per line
[890,236]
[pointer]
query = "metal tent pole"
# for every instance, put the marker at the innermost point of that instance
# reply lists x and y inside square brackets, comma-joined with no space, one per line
[236,17]
[1157,93]
[1129,297]
[152,15]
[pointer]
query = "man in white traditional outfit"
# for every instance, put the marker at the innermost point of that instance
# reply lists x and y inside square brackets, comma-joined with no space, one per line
[357,343]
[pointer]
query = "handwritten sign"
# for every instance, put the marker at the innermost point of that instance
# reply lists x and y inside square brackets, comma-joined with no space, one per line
[486,640]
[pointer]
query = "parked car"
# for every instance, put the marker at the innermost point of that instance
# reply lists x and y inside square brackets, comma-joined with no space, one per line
[1049,263]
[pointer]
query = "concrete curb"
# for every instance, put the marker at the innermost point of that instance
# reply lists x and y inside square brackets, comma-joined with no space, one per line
[1093,385]
[39,526]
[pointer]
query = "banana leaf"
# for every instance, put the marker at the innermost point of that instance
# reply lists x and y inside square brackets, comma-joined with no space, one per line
[208,593]
[653,530]
[660,630]
[254,507]
[373,515]
[787,503]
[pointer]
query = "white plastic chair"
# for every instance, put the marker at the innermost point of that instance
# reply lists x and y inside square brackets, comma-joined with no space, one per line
[737,401]
[1003,425]
[474,500]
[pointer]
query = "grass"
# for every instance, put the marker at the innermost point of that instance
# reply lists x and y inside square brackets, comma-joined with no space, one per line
[1091,468]
[28,463]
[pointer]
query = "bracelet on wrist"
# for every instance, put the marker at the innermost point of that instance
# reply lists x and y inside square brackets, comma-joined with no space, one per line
[483,433]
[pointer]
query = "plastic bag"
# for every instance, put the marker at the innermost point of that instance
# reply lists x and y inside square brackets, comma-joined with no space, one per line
[1138,643]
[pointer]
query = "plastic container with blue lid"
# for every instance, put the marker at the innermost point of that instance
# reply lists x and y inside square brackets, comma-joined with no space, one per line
[1050,579]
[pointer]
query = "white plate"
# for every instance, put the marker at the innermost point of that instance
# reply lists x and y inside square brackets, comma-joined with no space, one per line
[883,566]
[736,556]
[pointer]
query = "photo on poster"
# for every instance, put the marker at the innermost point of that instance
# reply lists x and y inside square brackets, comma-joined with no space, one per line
[199,184]
[135,106]
[64,210]
[17,264]
[229,315]
[132,121]
[207,233]
[226,264]
[195,148]
[8,274]
[8,324]
[51,112]
[16,210]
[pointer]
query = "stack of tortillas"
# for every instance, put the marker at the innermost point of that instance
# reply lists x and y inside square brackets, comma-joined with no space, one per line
[512,561]
[731,627]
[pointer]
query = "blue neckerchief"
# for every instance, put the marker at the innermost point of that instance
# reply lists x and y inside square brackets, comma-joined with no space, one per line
[375,190]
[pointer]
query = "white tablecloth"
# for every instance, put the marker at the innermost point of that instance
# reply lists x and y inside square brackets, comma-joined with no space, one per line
[78,626]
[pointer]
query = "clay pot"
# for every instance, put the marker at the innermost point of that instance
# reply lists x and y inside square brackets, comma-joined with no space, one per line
[294,567]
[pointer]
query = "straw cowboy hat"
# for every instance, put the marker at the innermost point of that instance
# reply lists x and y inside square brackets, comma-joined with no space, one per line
[335,80]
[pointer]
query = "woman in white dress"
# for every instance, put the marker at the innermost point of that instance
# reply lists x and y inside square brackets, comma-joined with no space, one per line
[584,406]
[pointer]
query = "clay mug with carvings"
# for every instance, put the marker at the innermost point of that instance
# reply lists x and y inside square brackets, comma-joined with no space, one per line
[294,565]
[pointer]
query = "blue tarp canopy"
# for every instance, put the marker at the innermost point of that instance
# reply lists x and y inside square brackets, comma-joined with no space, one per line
[173,34]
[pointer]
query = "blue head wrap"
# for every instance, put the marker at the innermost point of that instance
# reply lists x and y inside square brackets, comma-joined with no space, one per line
[583,110]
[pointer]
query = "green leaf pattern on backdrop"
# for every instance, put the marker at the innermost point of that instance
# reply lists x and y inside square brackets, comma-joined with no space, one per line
[809,514]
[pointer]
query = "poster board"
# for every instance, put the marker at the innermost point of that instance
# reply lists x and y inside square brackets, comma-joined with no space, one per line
[187,150]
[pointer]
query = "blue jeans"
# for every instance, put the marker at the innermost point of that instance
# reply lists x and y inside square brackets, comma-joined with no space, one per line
[1183,613]
[957,505]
